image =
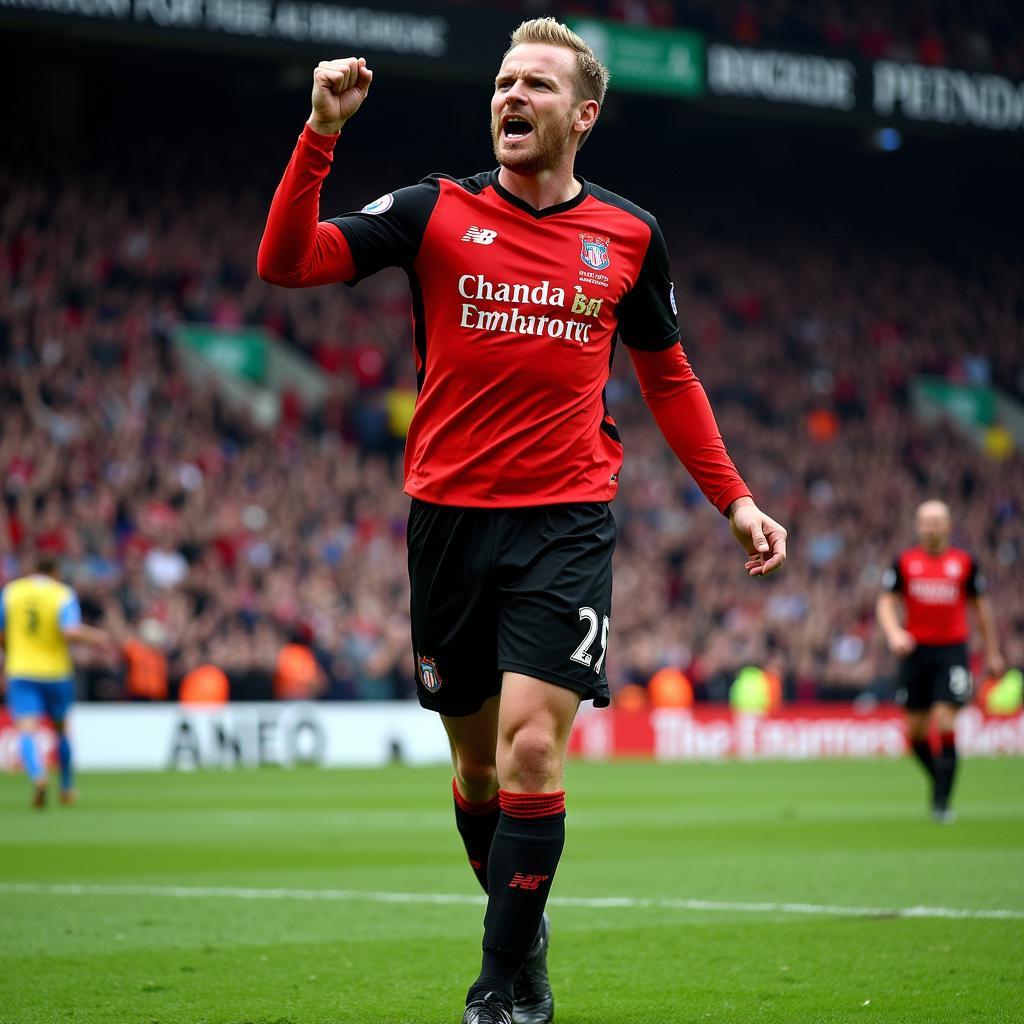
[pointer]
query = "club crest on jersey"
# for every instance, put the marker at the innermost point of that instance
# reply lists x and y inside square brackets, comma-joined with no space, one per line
[594,251]
[428,674]
[381,205]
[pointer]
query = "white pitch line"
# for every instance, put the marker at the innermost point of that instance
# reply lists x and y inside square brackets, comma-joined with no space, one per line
[448,899]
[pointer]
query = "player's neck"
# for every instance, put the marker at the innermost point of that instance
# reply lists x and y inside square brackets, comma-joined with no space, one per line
[542,190]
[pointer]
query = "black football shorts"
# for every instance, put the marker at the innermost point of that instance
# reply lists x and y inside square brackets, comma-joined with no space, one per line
[524,590]
[935,674]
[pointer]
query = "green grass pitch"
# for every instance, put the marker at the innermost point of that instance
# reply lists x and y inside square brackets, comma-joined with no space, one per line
[162,922]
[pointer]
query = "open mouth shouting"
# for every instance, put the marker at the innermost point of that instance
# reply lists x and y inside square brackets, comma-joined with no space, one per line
[515,127]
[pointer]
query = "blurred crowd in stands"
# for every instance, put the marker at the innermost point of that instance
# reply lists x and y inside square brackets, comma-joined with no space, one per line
[983,35]
[203,541]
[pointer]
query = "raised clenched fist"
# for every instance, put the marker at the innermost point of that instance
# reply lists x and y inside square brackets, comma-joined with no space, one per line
[339,88]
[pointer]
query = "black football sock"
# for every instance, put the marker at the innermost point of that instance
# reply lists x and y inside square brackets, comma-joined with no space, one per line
[524,855]
[945,770]
[476,824]
[923,752]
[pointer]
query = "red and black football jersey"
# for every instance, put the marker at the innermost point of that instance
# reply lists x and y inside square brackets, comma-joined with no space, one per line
[516,314]
[935,590]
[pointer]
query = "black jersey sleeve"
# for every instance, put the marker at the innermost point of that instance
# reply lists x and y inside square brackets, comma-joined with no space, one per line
[388,231]
[892,579]
[975,585]
[647,314]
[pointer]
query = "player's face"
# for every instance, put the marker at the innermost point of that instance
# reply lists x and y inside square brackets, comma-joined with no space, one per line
[534,108]
[933,525]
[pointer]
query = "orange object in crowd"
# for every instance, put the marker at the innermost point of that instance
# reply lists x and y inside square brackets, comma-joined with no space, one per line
[204,685]
[669,688]
[298,675]
[145,671]
[822,424]
[631,698]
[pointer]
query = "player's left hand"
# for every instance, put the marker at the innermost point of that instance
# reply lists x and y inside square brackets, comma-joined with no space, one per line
[995,666]
[763,539]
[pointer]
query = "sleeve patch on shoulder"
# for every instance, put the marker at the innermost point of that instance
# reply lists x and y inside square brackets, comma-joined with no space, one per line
[381,205]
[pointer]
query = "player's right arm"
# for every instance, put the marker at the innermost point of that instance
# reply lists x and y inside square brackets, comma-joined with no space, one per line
[91,636]
[76,631]
[297,249]
[887,612]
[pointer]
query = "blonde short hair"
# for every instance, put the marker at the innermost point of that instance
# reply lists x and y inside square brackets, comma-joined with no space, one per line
[591,75]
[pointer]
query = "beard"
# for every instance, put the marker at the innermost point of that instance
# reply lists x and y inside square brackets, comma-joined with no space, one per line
[542,149]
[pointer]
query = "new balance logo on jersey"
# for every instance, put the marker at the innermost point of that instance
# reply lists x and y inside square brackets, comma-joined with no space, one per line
[482,236]
[530,882]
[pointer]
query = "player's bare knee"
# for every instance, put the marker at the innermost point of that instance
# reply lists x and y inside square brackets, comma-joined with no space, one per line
[918,725]
[478,780]
[945,717]
[534,761]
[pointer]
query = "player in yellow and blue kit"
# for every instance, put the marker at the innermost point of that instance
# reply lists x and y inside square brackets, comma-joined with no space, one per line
[39,616]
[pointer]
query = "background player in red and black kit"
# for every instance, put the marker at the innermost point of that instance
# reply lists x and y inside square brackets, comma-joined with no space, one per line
[522,279]
[935,582]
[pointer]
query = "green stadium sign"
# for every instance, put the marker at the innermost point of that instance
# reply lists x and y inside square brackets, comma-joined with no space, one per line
[644,59]
[241,353]
[971,404]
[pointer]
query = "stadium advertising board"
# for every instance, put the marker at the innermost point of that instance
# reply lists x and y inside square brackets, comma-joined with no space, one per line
[646,60]
[370,29]
[710,733]
[778,77]
[134,737]
[884,89]
[946,96]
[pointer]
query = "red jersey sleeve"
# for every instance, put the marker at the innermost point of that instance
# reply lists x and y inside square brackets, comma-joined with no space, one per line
[683,413]
[298,250]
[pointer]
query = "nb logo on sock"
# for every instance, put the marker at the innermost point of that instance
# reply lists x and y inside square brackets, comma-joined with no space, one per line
[531,882]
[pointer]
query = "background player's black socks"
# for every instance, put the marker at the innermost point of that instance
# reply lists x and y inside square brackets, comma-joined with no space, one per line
[524,855]
[945,770]
[476,824]
[923,752]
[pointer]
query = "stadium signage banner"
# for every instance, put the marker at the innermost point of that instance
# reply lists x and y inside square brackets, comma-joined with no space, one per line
[893,90]
[157,737]
[711,733]
[945,96]
[134,737]
[364,28]
[646,60]
[779,77]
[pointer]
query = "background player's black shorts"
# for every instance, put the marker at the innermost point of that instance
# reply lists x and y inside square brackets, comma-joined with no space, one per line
[519,590]
[935,674]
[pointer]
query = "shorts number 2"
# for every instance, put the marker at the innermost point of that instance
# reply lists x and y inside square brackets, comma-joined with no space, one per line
[582,655]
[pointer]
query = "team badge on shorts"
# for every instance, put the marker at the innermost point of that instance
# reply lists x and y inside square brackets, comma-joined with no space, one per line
[594,252]
[428,674]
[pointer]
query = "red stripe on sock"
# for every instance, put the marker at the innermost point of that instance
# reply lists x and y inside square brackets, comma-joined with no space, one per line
[470,808]
[947,739]
[532,805]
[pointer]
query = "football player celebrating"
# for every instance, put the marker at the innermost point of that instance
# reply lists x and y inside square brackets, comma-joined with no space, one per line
[522,279]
